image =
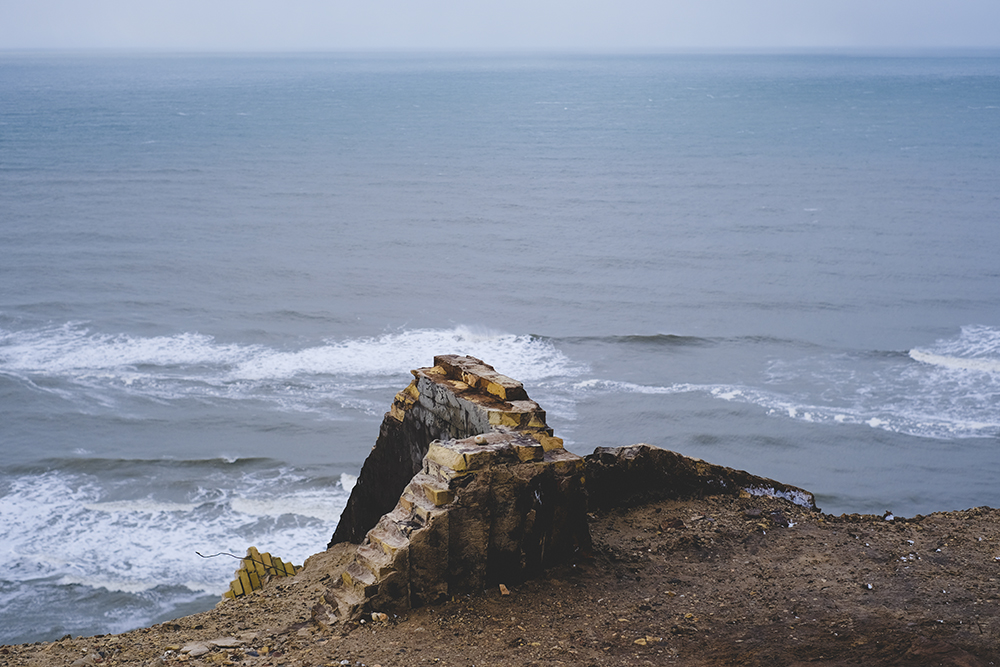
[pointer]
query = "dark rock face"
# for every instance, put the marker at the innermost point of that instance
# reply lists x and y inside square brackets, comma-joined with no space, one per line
[637,474]
[392,463]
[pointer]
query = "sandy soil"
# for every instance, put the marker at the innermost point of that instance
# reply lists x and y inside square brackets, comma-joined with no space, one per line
[718,581]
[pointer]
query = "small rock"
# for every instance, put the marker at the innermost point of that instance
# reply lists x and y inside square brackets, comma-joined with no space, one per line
[225,642]
[196,649]
[504,590]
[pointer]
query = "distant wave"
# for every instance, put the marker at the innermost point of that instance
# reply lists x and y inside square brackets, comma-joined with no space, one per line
[615,386]
[953,392]
[72,349]
[652,340]
[75,363]
[957,363]
[976,349]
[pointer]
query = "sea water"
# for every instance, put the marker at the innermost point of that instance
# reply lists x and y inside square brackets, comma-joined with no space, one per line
[216,271]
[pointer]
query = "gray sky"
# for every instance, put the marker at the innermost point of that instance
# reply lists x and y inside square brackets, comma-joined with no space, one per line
[589,25]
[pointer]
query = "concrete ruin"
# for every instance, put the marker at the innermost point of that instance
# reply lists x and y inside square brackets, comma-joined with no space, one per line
[468,488]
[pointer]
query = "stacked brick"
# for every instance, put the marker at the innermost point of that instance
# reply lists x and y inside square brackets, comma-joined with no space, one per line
[495,499]
[256,569]
[462,396]
[458,397]
[490,509]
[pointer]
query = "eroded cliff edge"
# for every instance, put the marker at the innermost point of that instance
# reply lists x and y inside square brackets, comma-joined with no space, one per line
[467,487]
[689,564]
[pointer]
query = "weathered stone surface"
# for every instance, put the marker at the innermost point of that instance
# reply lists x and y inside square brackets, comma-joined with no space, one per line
[636,474]
[490,509]
[456,398]
[465,490]
[196,649]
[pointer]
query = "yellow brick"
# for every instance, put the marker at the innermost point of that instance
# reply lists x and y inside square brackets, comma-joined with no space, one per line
[529,453]
[497,390]
[438,496]
[446,456]
[458,458]
[472,380]
[254,581]
[537,420]
[245,582]
[289,569]
[550,443]
[500,418]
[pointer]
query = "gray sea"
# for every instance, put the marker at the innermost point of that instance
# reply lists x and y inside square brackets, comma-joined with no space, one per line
[217,270]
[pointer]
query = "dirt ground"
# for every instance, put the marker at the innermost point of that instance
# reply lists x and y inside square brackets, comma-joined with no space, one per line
[718,581]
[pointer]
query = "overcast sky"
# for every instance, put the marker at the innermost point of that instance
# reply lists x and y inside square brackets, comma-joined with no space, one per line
[563,25]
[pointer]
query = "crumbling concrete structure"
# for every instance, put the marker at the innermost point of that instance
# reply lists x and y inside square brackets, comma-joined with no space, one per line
[495,497]
[459,397]
[467,488]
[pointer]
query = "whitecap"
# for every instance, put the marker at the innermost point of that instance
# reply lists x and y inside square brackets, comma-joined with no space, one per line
[99,371]
[983,365]
[347,481]
[57,525]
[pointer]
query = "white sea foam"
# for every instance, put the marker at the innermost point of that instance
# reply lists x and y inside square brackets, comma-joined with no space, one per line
[56,525]
[525,357]
[315,504]
[140,506]
[347,481]
[953,392]
[98,370]
[614,386]
[983,365]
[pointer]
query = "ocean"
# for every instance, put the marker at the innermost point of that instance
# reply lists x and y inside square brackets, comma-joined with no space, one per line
[217,270]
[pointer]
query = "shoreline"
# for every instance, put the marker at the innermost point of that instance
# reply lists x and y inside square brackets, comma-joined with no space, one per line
[712,581]
[467,540]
